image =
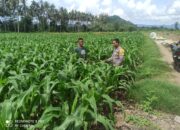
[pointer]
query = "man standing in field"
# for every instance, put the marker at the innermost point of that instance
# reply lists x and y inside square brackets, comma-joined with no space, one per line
[118,54]
[81,50]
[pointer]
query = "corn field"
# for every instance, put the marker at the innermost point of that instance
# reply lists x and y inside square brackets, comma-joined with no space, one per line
[42,79]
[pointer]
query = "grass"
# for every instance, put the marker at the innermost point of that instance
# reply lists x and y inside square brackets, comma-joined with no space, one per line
[151,83]
[152,65]
[141,122]
[167,95]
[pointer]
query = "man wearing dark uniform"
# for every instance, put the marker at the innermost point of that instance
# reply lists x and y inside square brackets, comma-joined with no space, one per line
[81,50]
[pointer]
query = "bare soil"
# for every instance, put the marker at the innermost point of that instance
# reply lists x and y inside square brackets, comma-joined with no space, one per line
[170,35]
[158,121]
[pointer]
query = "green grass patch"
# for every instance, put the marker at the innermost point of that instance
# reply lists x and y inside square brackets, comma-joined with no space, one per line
[152,90]
[167,95]
[152,63]
[141,122]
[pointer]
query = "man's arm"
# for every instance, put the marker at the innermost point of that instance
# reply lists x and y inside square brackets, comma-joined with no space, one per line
[109,59]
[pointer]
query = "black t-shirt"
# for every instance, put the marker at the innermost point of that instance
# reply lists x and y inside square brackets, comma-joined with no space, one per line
[82,52]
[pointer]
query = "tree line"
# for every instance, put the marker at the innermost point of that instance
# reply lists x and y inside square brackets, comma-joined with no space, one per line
[17,16]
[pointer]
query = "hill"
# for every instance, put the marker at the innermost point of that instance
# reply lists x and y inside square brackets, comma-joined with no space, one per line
[112,23]
[116,19]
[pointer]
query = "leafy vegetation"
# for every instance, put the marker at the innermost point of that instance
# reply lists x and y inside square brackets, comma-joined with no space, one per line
[141,122]
[112,23]
[152,65]
[164,95]
[149,102]
[152,90]
[40,16]
[42,79]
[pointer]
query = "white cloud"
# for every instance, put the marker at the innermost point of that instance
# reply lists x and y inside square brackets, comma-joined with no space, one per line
[137,7]
[149,12]
[105,10]
[174,8]
[81,5]
[171,11]
[92,5]
[106,2]
[137,11]
[119,12]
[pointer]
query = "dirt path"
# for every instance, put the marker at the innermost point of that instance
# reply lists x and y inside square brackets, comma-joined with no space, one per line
[160,121]
[166,53]
[170,35]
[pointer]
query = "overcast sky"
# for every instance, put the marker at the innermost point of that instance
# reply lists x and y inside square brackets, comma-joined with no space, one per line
[150,12]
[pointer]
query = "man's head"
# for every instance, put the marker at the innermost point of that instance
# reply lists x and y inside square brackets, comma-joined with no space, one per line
[116,42]
[80,42]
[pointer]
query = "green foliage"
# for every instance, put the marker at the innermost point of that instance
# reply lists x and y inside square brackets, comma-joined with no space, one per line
[43,16]
[112,23]
[165,95]
[176,25]
[42,79]
[151,90]
[141,122]
[149,103]
[137,120]
[152,64]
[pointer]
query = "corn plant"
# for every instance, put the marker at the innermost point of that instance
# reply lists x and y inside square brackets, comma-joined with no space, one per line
[42,79]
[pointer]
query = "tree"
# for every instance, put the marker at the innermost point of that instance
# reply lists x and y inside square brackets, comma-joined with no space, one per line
[34,12]
[78,25]
[64,18]
[24,13]
[26,23]
[42,16]
[176,25]
[116,26]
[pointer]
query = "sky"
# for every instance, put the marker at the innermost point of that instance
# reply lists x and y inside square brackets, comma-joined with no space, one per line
[149,12]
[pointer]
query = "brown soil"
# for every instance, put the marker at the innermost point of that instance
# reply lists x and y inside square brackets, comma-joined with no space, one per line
[158,121]
[170,35]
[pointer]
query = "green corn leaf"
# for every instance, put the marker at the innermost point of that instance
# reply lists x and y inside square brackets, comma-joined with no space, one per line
[6,115]
[48,114]
[74,103]
[92,103]
[68,121]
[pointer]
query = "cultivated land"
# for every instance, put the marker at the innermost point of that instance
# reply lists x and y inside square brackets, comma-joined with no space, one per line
[41,78]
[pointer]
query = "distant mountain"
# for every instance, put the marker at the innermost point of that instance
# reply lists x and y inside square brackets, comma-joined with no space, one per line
[112,23]
[123,23]
[117,19]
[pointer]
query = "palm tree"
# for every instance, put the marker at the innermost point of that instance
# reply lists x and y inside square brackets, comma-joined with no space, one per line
[64,18]
[3,12]
[24,12]
[12,7]
[34,12]
[53,16]
[176,25]
[72,17]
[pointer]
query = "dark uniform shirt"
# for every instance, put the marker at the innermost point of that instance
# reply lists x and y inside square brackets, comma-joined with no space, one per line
[82,52]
